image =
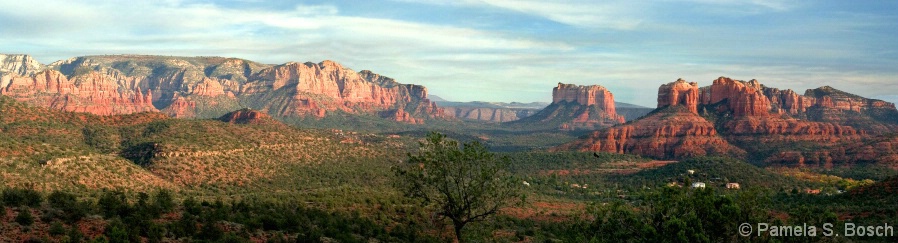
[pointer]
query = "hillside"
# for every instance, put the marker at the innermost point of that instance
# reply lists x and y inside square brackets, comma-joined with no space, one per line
[713,171]
[49,150]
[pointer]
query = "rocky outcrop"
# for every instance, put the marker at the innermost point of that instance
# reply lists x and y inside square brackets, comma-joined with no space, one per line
[881,150]
[245,116]
[669,133]
[679,93]
[584,95]
[210,86]
[21,65]
[576,107]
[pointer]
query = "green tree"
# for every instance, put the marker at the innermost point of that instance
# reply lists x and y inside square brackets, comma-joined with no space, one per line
[465,184]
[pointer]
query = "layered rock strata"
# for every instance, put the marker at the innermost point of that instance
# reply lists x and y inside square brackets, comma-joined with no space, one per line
[209,87]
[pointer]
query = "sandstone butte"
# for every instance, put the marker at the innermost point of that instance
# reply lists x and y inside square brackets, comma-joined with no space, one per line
[587,97]
[188,87]
[748,113]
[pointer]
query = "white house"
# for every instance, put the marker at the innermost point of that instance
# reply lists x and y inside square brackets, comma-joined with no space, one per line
[698,185]
[690,172]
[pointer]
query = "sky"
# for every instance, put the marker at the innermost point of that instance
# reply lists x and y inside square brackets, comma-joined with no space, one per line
[494,50]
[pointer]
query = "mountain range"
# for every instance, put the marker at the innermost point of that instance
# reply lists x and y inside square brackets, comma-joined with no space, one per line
[207,87]
[823,127]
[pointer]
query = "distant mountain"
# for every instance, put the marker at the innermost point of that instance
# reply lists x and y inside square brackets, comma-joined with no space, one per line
[208,87]
[818,128]
[576,107]
[435,98]
[887,98]
[512,111]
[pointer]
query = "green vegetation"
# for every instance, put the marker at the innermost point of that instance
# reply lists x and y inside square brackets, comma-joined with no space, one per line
[150,178]
[465,185]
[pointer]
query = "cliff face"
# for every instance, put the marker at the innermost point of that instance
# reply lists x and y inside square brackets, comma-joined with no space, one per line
[669,133]
[584,95]
[742,98]
[210,87]
[316,89]
[21,65]
[679,93]
[94,93]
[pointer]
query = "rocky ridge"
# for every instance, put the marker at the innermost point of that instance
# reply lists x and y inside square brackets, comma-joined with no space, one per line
[209,87]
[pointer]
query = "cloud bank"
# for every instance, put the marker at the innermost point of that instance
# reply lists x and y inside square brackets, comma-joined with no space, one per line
[494,50]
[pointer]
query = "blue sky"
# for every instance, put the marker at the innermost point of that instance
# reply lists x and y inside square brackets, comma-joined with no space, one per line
[495,50]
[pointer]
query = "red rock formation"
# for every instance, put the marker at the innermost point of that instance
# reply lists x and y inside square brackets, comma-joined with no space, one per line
[881,150]
[327,86]
[592,95]
[742,98]
[787,101]
[669,134]
[210,87]
[245,116]
[192,86]
[584,95]
[181,107]
[679,93]
[94,92]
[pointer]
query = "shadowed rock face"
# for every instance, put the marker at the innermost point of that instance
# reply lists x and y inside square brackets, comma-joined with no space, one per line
[761,120]
[209,87]
[245,116]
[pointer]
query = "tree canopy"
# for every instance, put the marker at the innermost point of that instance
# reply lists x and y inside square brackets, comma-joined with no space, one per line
[464,183]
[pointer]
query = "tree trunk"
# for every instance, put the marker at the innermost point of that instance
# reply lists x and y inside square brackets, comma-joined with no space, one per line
[458,225]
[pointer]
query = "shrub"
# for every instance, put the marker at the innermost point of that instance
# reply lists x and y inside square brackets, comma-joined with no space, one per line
[24,218]
[56,229]
[75,235]
[17,197]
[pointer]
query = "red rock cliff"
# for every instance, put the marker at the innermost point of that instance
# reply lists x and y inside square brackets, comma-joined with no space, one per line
[94,92]
[327,86]
[592,95]
[742,98]
[672,133]
[679,93]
